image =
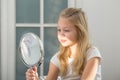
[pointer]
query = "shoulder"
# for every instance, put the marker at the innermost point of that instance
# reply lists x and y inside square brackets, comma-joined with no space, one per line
[54,60]
[92,52]
[55,56]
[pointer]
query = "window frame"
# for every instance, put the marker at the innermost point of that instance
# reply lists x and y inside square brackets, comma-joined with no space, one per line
[42,25]
[8,35]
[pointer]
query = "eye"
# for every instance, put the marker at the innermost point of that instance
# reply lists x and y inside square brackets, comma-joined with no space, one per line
[66,30]
[58,30]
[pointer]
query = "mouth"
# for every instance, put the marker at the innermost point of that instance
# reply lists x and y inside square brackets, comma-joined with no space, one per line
[63,41]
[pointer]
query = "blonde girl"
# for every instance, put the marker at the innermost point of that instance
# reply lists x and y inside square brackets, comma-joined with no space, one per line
[77,58]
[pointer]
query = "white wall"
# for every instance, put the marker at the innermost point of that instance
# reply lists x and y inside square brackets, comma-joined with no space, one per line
[104,24]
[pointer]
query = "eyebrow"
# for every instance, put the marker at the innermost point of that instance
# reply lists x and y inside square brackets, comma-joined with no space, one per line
[64,27]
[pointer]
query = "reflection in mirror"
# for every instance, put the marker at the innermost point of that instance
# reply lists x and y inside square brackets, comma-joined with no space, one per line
[31,50]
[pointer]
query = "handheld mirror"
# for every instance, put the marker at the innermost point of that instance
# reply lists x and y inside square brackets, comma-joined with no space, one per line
[31,50]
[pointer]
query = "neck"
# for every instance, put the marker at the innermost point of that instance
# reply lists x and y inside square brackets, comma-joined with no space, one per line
[73,50]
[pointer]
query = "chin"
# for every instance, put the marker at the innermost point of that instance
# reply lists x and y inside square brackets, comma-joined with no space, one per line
[65,45]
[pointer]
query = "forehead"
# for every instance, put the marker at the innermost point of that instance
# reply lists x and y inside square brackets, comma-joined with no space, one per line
[63,22]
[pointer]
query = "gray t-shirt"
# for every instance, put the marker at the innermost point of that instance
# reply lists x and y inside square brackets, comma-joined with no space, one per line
[92,52]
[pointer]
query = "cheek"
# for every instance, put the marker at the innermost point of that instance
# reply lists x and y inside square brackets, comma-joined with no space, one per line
[72,37]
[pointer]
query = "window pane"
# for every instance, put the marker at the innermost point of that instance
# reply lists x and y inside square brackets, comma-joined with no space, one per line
[27,11]
[52,8]
[20,67]
[50,45]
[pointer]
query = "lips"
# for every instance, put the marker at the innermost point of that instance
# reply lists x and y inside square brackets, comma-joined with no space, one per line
[63,41]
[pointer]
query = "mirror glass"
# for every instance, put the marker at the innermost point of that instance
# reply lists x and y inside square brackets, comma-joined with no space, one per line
[31,50]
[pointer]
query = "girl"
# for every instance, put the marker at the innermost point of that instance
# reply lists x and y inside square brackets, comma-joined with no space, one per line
[77,59]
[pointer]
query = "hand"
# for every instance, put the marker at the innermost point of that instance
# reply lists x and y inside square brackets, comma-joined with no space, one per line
[31,74]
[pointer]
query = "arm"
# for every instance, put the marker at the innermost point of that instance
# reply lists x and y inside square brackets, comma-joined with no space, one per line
[90,70]
[53,72]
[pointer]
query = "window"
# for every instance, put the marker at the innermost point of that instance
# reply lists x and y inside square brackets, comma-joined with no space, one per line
[39,17]
[22,16]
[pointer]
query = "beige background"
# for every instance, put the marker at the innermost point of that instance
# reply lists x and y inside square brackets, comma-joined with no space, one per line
[104,24]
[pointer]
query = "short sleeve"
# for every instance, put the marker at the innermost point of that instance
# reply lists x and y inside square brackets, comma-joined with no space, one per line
[93,52]
[55,60]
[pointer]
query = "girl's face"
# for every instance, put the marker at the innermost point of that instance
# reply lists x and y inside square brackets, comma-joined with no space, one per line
[67,33]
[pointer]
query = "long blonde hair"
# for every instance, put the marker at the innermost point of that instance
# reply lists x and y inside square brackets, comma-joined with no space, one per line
[76,17]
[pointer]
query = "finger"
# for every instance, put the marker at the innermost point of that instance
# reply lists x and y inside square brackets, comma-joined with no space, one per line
[30,76]
[31,73]
[35,68]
